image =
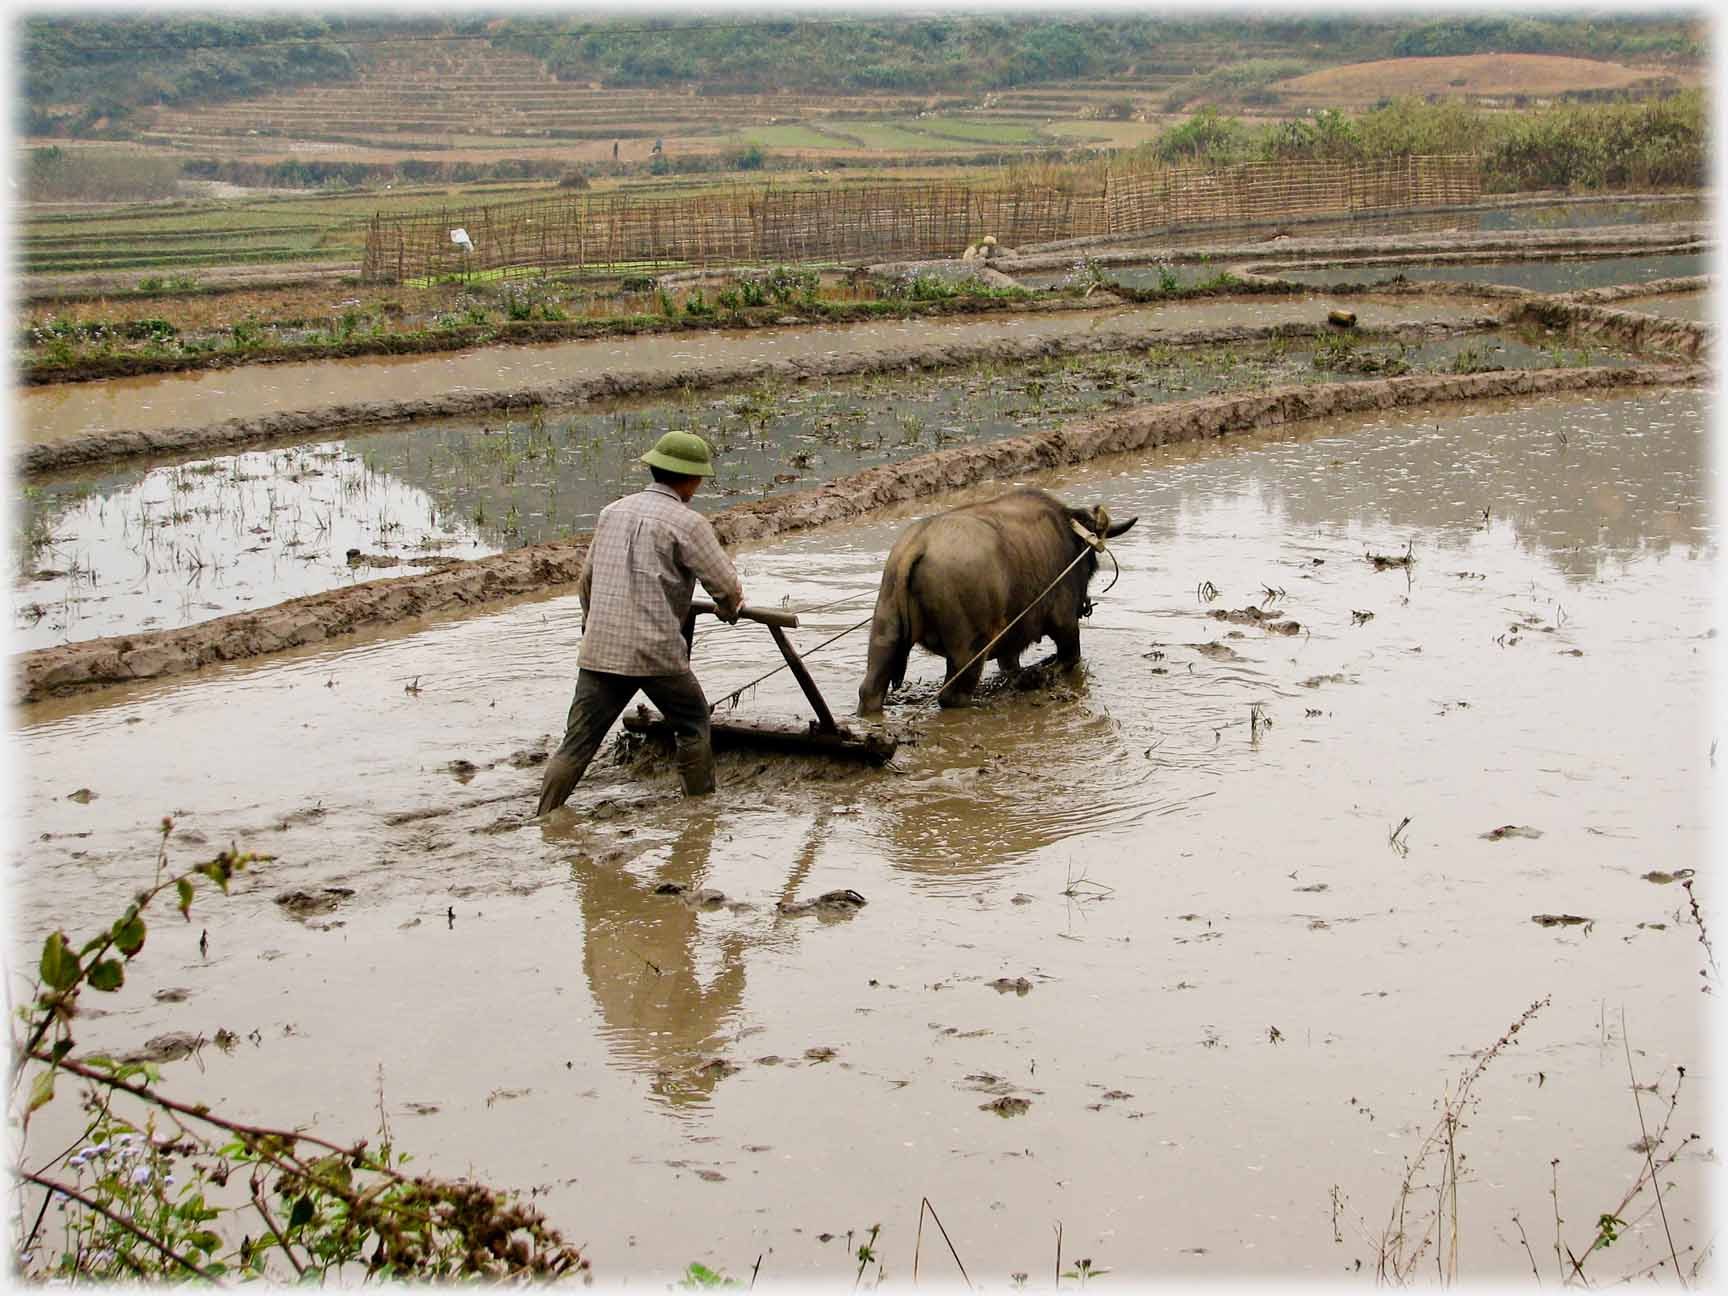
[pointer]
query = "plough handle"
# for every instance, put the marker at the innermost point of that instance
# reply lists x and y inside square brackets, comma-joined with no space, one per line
[785,620]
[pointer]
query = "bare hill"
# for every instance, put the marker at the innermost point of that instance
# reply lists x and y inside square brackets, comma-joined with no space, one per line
[1465,75]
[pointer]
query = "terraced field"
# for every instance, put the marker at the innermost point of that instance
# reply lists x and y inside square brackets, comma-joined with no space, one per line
[470,100]
[157,240]
[468,97]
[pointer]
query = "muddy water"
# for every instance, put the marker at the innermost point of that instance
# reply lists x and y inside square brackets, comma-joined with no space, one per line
[1549,276]
[1689,306]
[1246,997]
[112,552]
[1538,216]
[1168,275]
[171,400]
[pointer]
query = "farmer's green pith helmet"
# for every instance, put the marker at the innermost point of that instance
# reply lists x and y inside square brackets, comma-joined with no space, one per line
[681,452]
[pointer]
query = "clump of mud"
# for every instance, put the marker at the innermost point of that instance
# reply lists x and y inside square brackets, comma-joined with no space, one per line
[306,904]
[830,904]
[1271,622]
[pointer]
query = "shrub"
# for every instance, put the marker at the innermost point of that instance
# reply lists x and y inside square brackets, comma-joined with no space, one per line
[751,157]
[1204,137]
[55,174]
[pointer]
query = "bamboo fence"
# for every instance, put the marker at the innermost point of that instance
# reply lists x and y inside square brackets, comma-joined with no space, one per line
[615,234]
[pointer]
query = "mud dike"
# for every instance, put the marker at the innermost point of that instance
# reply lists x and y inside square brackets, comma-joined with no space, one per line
[542,568]
[1512,245]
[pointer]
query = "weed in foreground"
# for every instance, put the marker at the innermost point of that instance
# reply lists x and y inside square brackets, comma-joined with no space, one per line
[1414,1230]
[1424,1225]
[142,1191]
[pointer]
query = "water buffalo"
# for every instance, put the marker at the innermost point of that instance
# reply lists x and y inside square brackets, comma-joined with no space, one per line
[956,579]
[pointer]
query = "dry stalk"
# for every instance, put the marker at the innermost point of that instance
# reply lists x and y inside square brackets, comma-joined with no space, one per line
[1399,1252]
[1703,932]
[918,1244]
[1534,1271]
[1650,1174]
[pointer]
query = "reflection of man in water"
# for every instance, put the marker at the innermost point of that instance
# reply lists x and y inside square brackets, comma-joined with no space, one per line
[640,953]
[669,994]
[648,552]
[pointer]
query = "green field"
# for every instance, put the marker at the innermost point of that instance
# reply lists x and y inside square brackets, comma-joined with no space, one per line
[795,136]
[1112,134]
[889,136]
[237,232]
[980,131]
[923,135]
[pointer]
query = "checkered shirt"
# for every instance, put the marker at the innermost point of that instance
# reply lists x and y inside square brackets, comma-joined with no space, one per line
[649,549]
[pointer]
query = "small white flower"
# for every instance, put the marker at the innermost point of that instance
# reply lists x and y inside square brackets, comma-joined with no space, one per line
[140,1176]
[102,1149]
[77,1160]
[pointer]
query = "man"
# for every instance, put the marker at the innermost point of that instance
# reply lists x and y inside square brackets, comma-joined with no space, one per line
[649,550]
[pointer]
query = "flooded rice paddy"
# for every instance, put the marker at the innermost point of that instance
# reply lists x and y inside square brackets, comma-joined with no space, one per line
[155,546]
[1698,306]
[1229,988]
[1161,275]
[1535,216]
[58,412]
[1555,275]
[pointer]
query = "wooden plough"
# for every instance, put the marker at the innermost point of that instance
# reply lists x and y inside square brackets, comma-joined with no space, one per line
[823,736]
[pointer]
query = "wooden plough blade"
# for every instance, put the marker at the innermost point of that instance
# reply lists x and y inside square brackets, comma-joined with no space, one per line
[801,737]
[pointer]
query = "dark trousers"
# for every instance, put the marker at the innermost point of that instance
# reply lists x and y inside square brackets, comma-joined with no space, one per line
[600,699]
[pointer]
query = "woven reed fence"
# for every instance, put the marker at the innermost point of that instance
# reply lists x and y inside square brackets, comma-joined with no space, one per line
[1261,191]
[618,234]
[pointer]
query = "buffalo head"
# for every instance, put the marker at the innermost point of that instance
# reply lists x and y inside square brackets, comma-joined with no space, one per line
[1096,520]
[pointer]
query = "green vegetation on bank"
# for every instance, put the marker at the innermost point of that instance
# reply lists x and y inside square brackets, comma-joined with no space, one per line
[1655,144]
[491,309]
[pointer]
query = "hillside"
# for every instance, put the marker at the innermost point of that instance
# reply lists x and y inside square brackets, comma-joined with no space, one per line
[1470,76]
[349,98]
